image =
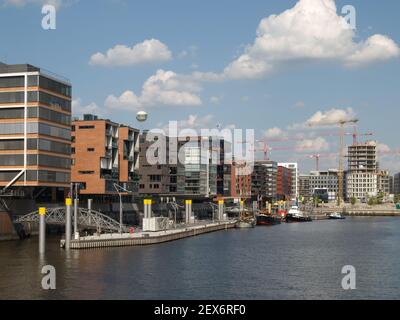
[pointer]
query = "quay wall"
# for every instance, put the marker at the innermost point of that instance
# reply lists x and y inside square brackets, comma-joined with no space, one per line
[147,238]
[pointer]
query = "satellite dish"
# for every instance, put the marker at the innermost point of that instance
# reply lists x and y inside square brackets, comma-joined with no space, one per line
[141,116]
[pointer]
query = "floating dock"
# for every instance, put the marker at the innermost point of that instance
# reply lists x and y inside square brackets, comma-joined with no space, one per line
[145,238]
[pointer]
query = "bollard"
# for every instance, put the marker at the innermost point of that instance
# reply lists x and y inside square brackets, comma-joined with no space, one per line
[68,205]
[90,210]
[76,213]
[220,210]
[42,230]
[147,208]
[188,210]
[241,205]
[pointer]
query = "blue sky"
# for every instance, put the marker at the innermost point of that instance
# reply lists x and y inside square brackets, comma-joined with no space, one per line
[211,36]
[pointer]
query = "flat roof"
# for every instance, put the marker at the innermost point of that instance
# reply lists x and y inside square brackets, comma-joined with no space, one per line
[17,68]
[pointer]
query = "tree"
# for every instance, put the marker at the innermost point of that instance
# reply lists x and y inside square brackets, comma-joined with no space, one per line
[353,201]
[397,198]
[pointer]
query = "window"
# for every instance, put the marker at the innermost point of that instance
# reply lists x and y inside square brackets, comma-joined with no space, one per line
[86,127]
[90,149]
[12,82]
[86,172]
[55,86]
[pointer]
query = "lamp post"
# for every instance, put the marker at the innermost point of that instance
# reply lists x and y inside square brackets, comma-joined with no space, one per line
[119,188]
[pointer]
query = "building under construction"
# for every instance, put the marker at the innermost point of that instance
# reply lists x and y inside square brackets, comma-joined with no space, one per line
[361,177]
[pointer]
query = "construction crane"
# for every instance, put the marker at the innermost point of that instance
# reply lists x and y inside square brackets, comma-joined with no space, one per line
[318,156]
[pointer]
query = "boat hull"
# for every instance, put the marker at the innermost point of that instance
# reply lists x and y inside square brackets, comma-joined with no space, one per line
[264,220]
[336,218]
[245,224]
[290,218]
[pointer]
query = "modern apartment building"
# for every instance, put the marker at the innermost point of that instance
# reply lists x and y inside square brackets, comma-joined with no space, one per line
[304,187]
[264,180]
[104,153]
[362,177]
[396,183]
[293,166]
[35,130]
[156,179]
[240,181]
[195,173]
[284,187]
[328,180]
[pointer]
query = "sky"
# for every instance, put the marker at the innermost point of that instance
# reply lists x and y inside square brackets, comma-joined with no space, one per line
[287,69]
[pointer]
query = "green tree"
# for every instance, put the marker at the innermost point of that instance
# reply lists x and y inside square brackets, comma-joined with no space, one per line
[397,198]
[353,201]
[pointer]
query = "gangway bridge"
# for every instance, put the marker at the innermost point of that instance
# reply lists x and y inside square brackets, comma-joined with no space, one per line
[87,219]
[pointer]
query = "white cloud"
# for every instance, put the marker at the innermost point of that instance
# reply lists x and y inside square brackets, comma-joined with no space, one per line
[78,109]
[148,51]
[165,88]
[317,144]
[311,30]
[330,117]
[275,133]
[376,48]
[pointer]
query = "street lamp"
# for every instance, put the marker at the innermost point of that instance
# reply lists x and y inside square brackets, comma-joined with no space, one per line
[118,188]
[175,207]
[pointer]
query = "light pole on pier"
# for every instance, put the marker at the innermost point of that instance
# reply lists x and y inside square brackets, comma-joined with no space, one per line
[119,190]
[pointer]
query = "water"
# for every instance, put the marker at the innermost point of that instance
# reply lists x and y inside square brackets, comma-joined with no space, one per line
[288,261]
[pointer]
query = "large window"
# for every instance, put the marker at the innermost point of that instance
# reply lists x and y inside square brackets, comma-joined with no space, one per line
[12,97]
[11,82]
[54,131]
[11,160]
[12,113]
[43,113]
[11,144]
[35,96]
[8,175]
[49,176]
[48,145]
[55,86]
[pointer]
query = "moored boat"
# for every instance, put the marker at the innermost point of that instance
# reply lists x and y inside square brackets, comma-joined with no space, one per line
[267,220]
[336,216]
[296,215]
[246,223]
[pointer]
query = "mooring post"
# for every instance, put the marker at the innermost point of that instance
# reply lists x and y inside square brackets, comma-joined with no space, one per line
[241,206]
[76,213]
[188,210]
[220,209]
[42,230]
[90,210]
[68,231]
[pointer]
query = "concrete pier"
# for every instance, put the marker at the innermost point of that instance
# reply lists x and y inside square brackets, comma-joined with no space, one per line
[145,238]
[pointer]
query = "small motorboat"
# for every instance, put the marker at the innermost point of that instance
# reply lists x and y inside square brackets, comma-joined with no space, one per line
[336,216]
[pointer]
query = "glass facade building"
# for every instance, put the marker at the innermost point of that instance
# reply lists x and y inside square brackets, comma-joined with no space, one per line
[35,127]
